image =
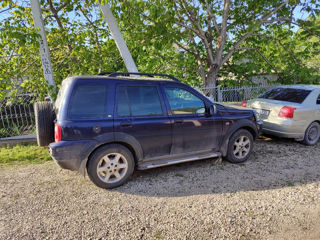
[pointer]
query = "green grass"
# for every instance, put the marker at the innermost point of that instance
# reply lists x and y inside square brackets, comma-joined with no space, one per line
[23,154]
[158,235]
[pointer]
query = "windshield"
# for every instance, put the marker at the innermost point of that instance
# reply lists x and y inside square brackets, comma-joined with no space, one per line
[286,94]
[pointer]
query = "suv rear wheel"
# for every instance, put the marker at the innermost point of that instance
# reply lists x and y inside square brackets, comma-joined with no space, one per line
[240,146]
[110,166]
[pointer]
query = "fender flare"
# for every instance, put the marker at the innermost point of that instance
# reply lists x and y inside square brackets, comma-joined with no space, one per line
[116,137]
[244,124]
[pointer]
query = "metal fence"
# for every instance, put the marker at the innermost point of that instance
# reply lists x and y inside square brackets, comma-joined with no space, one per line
[17,116]
[237,94]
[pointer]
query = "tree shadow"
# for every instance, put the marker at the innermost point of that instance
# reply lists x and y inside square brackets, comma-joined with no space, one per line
[274,163]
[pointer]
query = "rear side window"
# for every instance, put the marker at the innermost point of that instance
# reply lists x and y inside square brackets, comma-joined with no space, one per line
[88,101]
[61,95]
[286,94]
[138,101]
[318,99]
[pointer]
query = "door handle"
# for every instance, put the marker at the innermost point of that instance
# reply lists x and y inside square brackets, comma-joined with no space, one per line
[126,124]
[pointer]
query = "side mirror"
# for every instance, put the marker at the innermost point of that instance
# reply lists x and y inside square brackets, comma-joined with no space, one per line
[212,110]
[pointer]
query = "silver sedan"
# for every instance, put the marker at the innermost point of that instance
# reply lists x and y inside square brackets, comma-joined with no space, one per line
[290,111]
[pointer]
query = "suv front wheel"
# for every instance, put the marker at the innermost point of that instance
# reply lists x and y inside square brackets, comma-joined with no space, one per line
[110,166]
[240,146]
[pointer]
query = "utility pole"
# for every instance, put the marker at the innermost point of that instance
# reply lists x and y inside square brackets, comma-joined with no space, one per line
[44,49]
[117,36]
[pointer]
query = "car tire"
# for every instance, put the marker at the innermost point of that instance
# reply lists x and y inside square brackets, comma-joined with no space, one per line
[312,134]
[240,146]
[44,117]
[110,166]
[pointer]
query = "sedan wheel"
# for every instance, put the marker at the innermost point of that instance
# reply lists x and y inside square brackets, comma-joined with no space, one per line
[312,134]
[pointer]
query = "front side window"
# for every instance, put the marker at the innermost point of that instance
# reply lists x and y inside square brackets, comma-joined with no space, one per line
[184,102]
[138,101]
[88,101]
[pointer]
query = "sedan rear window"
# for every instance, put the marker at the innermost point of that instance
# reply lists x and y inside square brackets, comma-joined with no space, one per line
[286,94]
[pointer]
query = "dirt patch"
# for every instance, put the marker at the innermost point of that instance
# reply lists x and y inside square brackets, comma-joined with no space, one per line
[274,195]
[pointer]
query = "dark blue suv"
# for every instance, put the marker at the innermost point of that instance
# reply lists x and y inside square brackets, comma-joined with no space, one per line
[110,125]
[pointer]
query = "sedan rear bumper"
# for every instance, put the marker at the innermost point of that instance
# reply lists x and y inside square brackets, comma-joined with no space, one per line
[286,128]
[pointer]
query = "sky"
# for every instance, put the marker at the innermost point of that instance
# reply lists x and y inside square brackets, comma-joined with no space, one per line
[298,13]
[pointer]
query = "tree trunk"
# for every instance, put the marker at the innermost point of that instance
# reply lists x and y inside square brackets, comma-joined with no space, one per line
[211,82]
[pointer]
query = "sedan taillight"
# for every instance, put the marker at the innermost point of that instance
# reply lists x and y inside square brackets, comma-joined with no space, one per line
[57,133]
[244,103]
[287,112]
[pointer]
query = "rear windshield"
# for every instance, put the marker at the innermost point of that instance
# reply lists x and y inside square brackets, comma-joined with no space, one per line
[61,95]
[286,94]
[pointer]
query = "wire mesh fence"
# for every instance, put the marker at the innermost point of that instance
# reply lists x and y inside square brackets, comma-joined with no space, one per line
[237,94]
[17,115]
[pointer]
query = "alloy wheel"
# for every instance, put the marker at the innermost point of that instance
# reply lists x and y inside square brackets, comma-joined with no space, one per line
[241,147]
[112,168]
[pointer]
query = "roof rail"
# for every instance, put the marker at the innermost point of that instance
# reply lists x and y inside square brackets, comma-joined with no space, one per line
[142,74]
[104,73]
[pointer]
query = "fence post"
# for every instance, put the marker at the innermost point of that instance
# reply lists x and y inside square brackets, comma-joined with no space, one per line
[219,94]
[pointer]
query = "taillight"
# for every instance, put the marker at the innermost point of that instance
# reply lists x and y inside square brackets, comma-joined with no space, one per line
[57,133]
[244,103]
[287,112]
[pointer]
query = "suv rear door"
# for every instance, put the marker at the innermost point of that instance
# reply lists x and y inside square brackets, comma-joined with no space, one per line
[140,113]
[193,129]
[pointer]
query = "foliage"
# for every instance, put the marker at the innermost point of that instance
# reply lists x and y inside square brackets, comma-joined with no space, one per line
[199,42]
[226,40]
[77,36]
[23,154]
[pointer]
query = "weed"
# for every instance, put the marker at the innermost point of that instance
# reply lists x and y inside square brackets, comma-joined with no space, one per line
[23,154]
[290,184]
[158,235]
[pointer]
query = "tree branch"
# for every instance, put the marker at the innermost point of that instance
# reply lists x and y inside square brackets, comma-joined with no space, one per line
[223,36]
[199,59]
[212,18]
[254,28]
[56,16]
[280,43]
[96,37]
[264,58]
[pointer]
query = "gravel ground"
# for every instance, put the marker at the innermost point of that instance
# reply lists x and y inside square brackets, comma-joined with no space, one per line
[274,195]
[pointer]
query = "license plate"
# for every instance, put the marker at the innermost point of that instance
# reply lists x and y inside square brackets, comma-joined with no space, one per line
[262,112]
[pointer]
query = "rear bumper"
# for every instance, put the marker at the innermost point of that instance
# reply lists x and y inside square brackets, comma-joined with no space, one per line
[287,128]
[71,154]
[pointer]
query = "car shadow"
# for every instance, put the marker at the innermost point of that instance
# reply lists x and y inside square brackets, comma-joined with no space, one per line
[274,163]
